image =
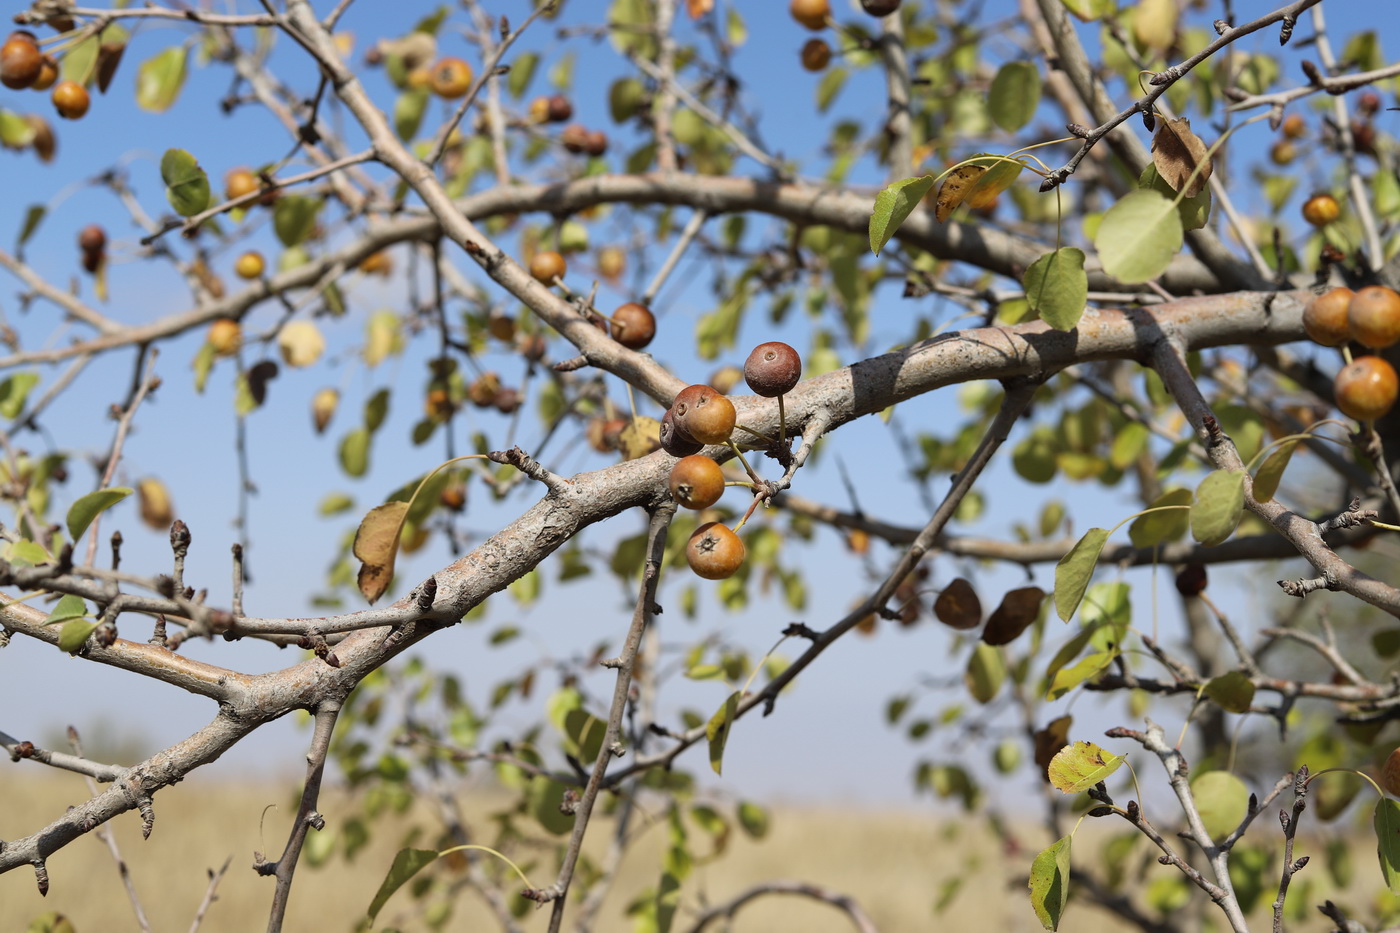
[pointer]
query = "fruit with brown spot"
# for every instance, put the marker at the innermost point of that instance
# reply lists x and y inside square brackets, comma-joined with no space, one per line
[450,78]
[696,482]
[1321,210]
[714,552]
[704,414]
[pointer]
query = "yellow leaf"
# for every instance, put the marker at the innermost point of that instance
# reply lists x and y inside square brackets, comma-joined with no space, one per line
[376,546]
[955,187]
[301,344]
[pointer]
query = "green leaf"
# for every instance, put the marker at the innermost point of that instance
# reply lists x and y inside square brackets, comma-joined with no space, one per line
[1014,95]
[78,62]
[1057,287]
[829,86]
[1222,800]
[522,71]
[160,78]
[1270,472]
[186,185]
[1138,237]
[986,671]
[1169,524]
[1387,824]
[1066,679]
[1078,767]
[376,409]
[32,217]
[1218,507]
[754,819]
[1050,883]
[408,112]
[717,730]
[1090,10]
[893,205]
[1074,570]
[88,507]
[15,131]
[293,218]
[74,634]
[1128,444]
[407,863]
[68,607]
[14,392]
[1232,692]
[1194,212]
[354,452]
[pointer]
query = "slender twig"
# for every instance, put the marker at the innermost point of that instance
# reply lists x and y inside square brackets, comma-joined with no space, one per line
[842,902]
[688,233]
[209,892]
[105,834]
[1290,830]
[145,383]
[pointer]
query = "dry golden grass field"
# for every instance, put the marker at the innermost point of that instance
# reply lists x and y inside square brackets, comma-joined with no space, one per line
[892,863]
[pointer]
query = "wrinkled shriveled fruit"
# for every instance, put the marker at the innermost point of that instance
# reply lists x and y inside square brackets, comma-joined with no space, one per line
[674,441]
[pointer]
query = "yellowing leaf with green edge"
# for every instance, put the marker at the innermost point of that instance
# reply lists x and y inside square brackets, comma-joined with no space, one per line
[1222,800]
[203,364]
[74,634]
[1073,572]
[1057,287]
[1232,691]
[986,672]
[1001,174]
[15,131]
[67,608]
[88,507]
[1078,767]
[717,730]
[1049,883]
[160,78]
[1014,95]
[1170,523]
[407,863]
[1138,237]
[1068,652]
[957,185]
[1218,507]
[893,206]
[377,545]
[1270,472]
[1387,825]
[186,184]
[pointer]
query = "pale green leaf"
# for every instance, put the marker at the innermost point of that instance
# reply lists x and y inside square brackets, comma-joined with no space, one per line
[1218,507]
[1074,570]
[160,78]
[717,731]
[893,205]
[1222,800]
[74,634]
[1138,237]
[1232,691]
[1078,767]
[1057,287]
[1169,524]
[1014,95]
[68,607]
[1387,825]
[186,184]
[407,863]
[1270,472]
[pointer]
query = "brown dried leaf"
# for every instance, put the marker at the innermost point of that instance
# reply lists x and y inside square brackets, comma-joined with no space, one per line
[958,606]
[1017,611]
[1049,741]
[377,545]
[955,187]
[1176,151]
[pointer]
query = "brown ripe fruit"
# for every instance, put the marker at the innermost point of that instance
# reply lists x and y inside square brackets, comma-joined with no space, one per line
[1294,126]
[810,13]
[1369,103]
[674,441]
[533,347]
[704,414]
[48,74]
[507,400]
[240,182]
[71,100]
[482,392]
[558,109]
[502,327]
[20,61]
[597,143]
[879,7]
[633,325]
[1373,316]
[250,265]
[816,55]
[1390,774]
[547,266]
[1366,388]
[92,239]
[1325,317]
[696,482]
[1321,210]
[772,369]
[714,552]
[453,496]
[450,78]
[574,137]
[1192,580]
[224,336]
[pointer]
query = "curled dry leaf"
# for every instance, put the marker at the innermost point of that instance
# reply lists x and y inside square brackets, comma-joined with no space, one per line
[377,545]
[958,606]
[1176,151]
[957,186]
[1018,609]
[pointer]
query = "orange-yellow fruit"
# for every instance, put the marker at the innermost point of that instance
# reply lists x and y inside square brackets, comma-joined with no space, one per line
[240,182]
[1283,152]
[1321,210]
[1390,774]
[48,74]
[323,406]
[70,99]
[810,13]
[547,266]
[1325,317]
[250,265]
[1373,316]
[380,264]
[816,55]
[611,262]
[225,336]
[1366,388]
[703,414]
[450,78]
[634,325]
[20,61]
[539,110]
[696,482]
[1294,126]
[714,552]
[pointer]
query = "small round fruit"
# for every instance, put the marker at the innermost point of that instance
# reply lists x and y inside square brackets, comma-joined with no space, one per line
[547,266]
[1369,103]
[70,99]
[378,263]
[633,325]
[48,74]
[714,552]
[224,336]
[20,61]
[1294,126]
[816,55]
[539,110]
[1373,316]
[879,7]
[1390,774]
[810,13]
[1325,317]
[612,261]
[92,239]
[772,369]
[240,182]
[597,144]
[696,482]
[1366,388]
[450,78]
[250,265]
[323,406]
[1283,152]
[673,440]
[574,137]
[558,108]
[1321,210]
[704,414]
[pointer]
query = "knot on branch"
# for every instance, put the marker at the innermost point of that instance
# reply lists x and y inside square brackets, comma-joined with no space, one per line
[530,467]
[1353,516]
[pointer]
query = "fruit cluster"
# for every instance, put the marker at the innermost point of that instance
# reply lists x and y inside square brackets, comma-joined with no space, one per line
[92,242]
[1366,387]
[701,415]
[23,65]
